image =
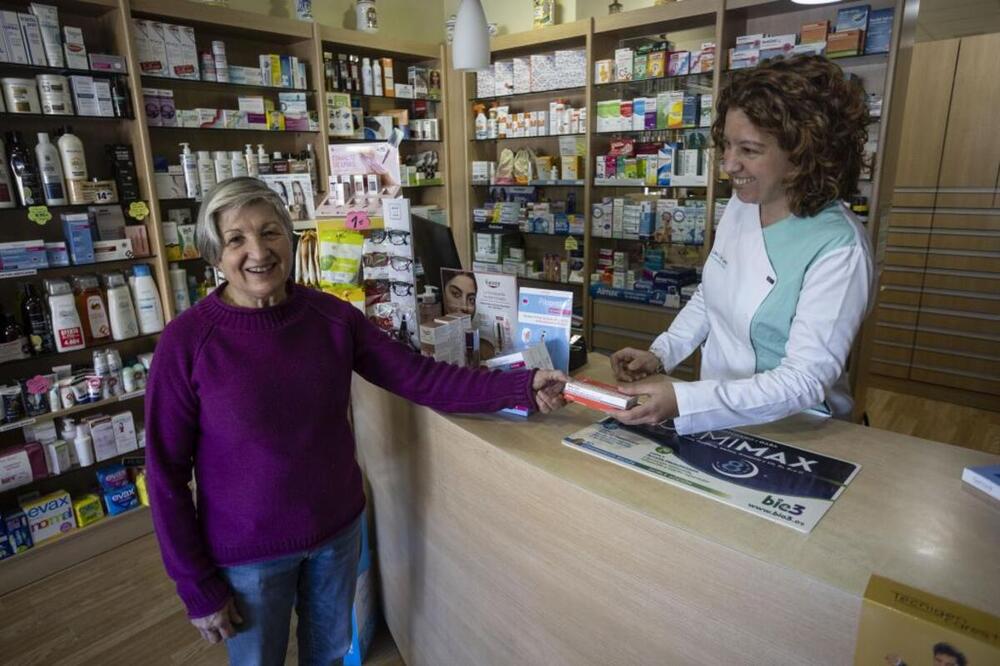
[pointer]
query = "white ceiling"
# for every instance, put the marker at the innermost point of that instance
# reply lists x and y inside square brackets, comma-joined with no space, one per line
[944,19]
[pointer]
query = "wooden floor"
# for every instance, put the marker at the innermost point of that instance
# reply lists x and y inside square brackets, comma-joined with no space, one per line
[86,615]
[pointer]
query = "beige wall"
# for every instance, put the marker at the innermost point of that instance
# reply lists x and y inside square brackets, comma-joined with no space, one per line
[417,20]
[513,16]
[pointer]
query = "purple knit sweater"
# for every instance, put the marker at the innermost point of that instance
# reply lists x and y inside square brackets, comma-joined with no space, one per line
[255,401]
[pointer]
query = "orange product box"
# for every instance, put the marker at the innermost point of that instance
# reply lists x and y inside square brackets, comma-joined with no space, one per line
[814,32]
[597,395]
[843,44]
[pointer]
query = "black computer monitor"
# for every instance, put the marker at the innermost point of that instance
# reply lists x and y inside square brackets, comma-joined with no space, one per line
[434,248]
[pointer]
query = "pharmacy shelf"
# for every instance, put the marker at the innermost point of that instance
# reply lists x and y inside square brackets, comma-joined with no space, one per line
[537,183]
[199,84]
[16,69]
[521,138]
[208,19]
[551,283]
[653,131]
[56,271]
[85,407]
[638,183]
[658,79]
[421,185]
[80,352]
[230,129]
[81,544]
[501,228]
[850,61]
[61,207]
[646,307]
[535,93]
[61,118]
[353,93]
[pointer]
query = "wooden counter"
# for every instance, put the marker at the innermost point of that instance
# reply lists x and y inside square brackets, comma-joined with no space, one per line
[497,544]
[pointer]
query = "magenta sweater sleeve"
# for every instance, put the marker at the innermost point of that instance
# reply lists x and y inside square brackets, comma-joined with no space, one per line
[442,386]
[171,433]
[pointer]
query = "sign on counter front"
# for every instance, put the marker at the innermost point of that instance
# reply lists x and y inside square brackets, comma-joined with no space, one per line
[785,484]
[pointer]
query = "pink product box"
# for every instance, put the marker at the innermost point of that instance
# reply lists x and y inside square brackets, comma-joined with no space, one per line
[296,123]
[168,112]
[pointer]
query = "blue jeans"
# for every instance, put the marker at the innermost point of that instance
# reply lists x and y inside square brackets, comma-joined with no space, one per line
[319,583]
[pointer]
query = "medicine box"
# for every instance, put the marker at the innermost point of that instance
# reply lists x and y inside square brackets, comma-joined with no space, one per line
[24,255]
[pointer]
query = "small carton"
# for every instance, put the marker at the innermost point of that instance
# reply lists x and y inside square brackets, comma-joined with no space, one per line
[49,516]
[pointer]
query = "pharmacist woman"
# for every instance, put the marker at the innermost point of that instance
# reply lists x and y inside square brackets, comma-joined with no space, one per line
[789,278]
[250,391]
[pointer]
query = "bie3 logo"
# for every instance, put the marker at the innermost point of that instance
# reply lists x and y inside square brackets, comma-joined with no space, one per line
[737,469]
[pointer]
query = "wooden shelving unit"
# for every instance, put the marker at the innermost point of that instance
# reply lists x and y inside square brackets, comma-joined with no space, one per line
[108,28]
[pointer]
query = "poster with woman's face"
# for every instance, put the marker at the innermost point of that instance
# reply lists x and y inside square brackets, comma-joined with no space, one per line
[295,191]
[490,299]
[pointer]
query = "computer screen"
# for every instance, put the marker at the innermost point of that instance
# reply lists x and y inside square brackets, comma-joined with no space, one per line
[434,248]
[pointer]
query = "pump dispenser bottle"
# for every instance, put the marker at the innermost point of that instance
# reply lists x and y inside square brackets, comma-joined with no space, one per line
[189,165]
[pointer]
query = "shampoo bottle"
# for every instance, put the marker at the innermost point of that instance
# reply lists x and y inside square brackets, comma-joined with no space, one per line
[36,320]
[263,161]
[179,285]
[6,185]
[189,165]
[251,159]
[22,169]
[50,167]
[377,78]
[83,446]
[71,154]
[93,311]
[223,168]
[481,125]
[206,172]
[120,310]
[366,76]
[238,164]
[66,326]
[147,301]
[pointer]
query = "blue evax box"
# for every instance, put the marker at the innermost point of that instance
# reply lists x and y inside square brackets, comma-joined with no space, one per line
[879,34]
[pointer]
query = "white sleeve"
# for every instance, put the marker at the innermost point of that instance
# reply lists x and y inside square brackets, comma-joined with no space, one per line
[688,330]
[832,304]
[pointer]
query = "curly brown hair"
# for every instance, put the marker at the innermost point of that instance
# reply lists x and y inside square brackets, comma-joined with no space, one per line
[817,114]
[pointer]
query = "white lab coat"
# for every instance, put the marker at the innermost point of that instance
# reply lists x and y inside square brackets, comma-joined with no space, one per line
[738,276]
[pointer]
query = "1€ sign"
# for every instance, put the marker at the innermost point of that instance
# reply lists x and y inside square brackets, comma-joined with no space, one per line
[358,220]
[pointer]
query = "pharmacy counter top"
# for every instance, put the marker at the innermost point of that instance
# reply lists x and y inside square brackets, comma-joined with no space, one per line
[497,544]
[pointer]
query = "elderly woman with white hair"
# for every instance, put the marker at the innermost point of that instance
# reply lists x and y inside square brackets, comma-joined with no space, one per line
[250,391]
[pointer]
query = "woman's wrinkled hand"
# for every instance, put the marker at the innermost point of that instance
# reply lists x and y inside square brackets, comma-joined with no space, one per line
[660,403]
[548,387]
[219,625]
[631,365]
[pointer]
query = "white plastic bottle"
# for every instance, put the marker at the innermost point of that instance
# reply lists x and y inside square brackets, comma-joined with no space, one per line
[66,327]
[251,159]
[6,185]
[74,162]
[311,165]
[377,88]
[189,165]
[237,164]
[206,172]
[366,76]
[147,301]
[120,310]
[223,168]
[262,158]
[50,167]
[481,126]
[83,445]
[178,284]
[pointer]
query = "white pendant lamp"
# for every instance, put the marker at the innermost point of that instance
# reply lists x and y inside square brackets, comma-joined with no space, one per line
[471,48]
[814,2]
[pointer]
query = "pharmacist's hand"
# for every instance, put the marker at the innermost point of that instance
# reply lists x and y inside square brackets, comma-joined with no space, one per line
[548,387]
[219,626]
[631,365]
[660,403]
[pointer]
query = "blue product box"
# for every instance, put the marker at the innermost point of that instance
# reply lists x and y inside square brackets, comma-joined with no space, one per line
[57,254]
[286,71]
[630,295]
[853,18]
[112,478]
[879,34]
[121,499]
[561,224]
[15,534]
[76,230]
[691,111]
[23,255]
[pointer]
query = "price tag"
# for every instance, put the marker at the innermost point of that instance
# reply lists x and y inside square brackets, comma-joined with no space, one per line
[138,210]
[357,220]
[572,243]
[39,214]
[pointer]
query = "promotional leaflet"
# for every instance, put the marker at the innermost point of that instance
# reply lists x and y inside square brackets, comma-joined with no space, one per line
[545,315]
[490,299]
[295,191]
[785,484]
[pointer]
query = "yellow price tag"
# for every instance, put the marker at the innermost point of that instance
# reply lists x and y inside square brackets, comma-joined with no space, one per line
[138,210]
[39,214]
[572,244]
